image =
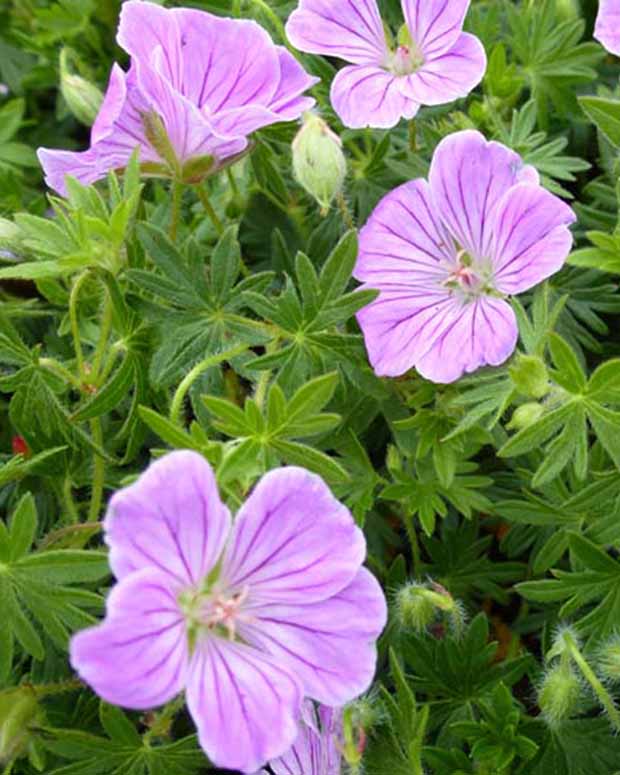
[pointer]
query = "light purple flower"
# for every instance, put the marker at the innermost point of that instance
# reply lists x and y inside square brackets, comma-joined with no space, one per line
[434,62]
[208,81]
[445,253]
[247,617]
[607,28]
[317,749]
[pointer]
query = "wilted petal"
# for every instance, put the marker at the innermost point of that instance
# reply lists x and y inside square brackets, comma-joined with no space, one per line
[171,519]
[292,541]
[403,243]
[468,177]
[349,29]
[330,645]
[467,335]
[450,75]
[245,706]
[435,25]
[531,239]
[137,657]
[370,97]
[607,28]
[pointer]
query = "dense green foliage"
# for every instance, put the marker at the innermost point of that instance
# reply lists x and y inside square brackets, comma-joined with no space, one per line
[499,494]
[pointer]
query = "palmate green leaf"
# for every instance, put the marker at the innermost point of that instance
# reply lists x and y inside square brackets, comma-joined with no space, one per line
[596,589]
[274,431]
[35,587]
[577,747]
[123,753]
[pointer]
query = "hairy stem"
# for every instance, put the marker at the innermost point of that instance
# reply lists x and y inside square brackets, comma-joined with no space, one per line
[179,397]
[345,211]
[75,325]
[208,207]
[177,196]
[601,692]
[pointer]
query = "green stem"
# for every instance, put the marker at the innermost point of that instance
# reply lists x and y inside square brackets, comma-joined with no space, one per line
[177,196]
[591,677]
[413,136]
[51,364]
[96,497]
[273,17]
[69,502]
[415,545]
[208,207]
[233,183]
[161,725]
[75,325]
[179,397]
[347,216]
[104,334]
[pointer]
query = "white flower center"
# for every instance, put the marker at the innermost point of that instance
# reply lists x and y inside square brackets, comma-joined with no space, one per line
[405,60]
[216,611]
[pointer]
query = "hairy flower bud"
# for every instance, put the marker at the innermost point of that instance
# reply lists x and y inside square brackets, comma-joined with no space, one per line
[82,97]
[530,376]
[525,415]
[559,693]
[418,605]
[318,160]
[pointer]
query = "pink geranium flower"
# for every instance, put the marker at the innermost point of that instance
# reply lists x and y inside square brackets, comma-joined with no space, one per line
[434,62]
[197,87]
[607,29]
[446,253]
[248,618]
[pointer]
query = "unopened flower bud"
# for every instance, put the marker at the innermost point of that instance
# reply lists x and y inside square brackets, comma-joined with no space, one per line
[530,376]
[82,97]
[567,9]
[559,693]
[525,415]
[19,712]
[609,660]
[318,160]
[415,610]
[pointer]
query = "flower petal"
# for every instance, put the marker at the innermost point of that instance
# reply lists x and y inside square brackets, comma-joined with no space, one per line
[317,748]
[137,657]
[435,25]
[370,97]
[294,81]
[607,28]
[481,332]
[145,28]
[171,519]
[348,29]
[468,177]
[330,645]
[245,706]
[450,75]
[531,239]
[437,332]
[292,541]
[57,165]
[228,63]
[191,133]
[403,243]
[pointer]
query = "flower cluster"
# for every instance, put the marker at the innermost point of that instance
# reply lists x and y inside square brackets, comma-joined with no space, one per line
[197,87]
[249,619]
